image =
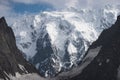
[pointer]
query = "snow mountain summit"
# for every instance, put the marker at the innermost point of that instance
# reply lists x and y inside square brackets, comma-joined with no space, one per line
[56,41]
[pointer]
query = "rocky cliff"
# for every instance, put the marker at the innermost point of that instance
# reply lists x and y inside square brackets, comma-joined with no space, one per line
[105,64]
[12,62]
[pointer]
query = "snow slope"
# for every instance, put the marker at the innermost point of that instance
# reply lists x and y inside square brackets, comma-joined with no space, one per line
[66,33]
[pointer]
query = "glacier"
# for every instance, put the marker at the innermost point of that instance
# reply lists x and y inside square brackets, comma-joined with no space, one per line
[56,41]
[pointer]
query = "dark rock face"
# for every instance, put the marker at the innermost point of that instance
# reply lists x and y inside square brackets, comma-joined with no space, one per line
[10,57]
[105,66]
[42,58]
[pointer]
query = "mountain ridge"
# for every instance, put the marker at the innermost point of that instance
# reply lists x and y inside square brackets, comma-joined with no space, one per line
[105,66]
[101,59]
[63,33]
[12,62]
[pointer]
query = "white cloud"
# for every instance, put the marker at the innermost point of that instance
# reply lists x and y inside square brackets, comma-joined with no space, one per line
[71,3]
[4,7]
[100,3]
[55,3]
[26,1]
[7,10]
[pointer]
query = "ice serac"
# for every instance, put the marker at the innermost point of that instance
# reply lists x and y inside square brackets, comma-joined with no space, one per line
[106,65]
[12,62]
[59,40]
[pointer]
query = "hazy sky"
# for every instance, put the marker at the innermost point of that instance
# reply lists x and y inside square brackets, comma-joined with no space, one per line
[14,7]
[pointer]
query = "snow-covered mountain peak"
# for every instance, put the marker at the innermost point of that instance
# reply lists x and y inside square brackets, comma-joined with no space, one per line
[59,39]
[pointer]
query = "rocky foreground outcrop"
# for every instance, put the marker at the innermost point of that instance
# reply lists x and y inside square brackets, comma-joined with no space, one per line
[12,62]
[106,64]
